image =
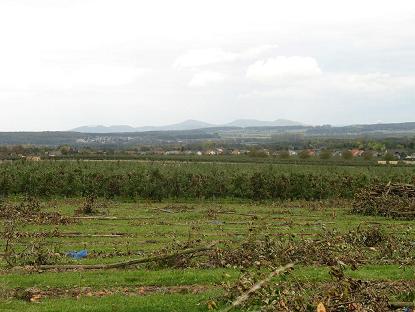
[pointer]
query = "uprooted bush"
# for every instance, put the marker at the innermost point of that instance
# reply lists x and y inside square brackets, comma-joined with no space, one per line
[369,237]
[390,200]
[17,249]
[30,210]
[36,251]
[28,207]
[91,205]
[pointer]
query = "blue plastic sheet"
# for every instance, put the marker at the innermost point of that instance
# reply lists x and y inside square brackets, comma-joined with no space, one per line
[78,254]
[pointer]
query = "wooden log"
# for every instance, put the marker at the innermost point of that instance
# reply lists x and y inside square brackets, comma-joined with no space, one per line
[123,264]
[237,213]
[398,305]
[109,218]
[88,235]
[403,212]
[166,210]
[296,234]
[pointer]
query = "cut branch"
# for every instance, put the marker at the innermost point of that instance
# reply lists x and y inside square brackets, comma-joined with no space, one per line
[245,296]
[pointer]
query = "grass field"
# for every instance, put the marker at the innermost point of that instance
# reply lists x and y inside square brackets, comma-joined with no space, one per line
[138,229]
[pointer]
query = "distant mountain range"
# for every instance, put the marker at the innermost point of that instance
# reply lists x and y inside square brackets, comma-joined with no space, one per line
[241,131]
[187,125]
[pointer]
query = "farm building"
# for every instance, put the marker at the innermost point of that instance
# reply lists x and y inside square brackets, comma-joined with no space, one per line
[386,162]
[357,152]
[33,158]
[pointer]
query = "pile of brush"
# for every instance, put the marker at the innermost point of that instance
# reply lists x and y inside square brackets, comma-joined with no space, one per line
[392,200]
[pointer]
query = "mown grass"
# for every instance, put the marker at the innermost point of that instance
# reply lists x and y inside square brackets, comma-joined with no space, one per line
[117,278]
[176,277]
[151,303]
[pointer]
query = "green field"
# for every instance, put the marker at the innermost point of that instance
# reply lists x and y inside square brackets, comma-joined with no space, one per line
[252,237]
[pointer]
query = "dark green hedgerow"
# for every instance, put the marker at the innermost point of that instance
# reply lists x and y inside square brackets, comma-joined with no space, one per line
[158,181]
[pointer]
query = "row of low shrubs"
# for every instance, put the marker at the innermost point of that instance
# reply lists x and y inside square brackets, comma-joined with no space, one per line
[161,180]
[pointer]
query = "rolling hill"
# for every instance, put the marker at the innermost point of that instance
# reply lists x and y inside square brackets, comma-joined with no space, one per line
[187,125]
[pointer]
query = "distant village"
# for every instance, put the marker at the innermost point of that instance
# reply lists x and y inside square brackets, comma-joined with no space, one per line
[392,157]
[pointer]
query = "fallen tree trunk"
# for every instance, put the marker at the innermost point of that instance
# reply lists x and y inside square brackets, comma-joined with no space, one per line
[398,305]
[68,234]
[238,214]
[109,218]
[245,296]
[124,263]
[89,235]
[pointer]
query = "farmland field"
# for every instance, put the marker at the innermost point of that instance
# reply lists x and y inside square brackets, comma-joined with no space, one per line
[234,223]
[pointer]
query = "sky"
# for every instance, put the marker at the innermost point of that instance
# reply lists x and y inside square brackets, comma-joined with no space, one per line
[69,63]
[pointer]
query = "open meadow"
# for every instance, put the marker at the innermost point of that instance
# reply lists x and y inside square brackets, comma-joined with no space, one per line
[124,236]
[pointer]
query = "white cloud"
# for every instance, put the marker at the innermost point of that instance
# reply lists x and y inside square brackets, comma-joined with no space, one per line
[205,78]
[282,68]
[258,51]
[374,85]
[85,61]
[202,57]
[370,82]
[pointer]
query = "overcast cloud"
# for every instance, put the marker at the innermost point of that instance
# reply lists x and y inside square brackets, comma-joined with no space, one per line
[67,63]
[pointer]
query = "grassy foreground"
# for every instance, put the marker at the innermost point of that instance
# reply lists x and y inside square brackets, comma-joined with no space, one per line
[144,228]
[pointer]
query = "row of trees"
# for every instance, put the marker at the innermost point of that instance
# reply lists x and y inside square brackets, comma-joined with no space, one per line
[207,180]
[327,147]
[323,154]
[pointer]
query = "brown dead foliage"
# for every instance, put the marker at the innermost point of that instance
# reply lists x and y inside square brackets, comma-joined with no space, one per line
[181,260]
[390,200]
[30,210]
[342,293]
[358,246]
[37,250]
[91,206]
[177,208]
[314,205]
[111,254]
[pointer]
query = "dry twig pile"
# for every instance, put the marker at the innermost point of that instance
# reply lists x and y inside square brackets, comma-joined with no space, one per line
[391,200]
